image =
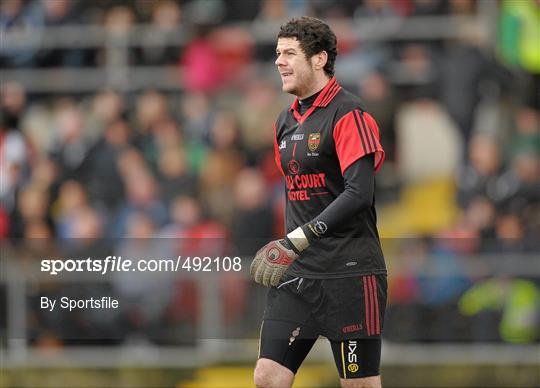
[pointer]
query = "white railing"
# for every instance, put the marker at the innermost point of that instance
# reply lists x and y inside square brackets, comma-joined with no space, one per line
[116,71]
[362,29]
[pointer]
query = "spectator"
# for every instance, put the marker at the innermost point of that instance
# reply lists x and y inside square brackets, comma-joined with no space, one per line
[519,38]
[71,200]
[197,116]
[424,121]
[462,7]
[220,169]
[428,7]
[4,224]
[157,47]
[510,235]
[199,234]
[416,72]
[119,21]
[463,67]
[525,134]
[14,148]
[257,109]
[13,165]
[175,177]
[56,13]
[253,222]
[18,20]
[151,109]
[71,145]
[201,70]
[13,105]
[144,296]
[108,106]
[32,206]
[163,134]
[520,184]
[233,58]
[142,196]
[480,176]
[480,216]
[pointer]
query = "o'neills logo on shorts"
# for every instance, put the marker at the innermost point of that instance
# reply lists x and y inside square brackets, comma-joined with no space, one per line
[352,328]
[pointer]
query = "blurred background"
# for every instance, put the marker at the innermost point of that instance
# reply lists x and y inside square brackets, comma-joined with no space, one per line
[145,127]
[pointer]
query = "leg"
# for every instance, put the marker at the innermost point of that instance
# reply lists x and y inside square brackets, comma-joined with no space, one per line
[270,374]
[363,382]
[283,348]
[358,362]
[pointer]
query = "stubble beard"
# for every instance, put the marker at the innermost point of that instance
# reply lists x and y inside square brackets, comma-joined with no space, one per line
[304,82]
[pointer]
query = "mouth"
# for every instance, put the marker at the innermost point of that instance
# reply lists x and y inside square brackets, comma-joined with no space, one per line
[286,74]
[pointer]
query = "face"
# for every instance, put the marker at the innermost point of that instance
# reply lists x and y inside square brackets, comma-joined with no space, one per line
[297,72]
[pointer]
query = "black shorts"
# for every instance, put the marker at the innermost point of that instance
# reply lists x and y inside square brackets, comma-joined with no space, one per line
[348,311]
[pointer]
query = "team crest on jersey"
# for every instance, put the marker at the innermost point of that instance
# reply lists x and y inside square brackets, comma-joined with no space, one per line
[314,139]
[293,167]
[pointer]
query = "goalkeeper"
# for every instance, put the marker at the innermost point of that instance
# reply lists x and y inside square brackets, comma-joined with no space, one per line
[327,276]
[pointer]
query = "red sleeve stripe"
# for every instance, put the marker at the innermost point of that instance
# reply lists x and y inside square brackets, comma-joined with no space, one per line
[373,129]
[360,132]
[369,132]
[365,133]
[277,156]
[356,135]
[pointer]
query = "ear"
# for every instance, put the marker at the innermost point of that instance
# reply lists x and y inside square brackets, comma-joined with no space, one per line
[319,60]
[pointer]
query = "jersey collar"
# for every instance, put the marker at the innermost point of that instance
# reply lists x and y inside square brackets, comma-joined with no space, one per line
[325,97]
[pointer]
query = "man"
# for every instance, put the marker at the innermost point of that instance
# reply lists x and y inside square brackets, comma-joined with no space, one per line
[328,275]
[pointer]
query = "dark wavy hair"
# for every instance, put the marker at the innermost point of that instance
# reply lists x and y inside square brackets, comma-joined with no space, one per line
[314,36]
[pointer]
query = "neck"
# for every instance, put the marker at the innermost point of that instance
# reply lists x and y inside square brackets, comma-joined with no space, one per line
[319,84]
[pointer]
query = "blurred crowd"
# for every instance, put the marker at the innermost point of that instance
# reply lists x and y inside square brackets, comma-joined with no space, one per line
[199,162]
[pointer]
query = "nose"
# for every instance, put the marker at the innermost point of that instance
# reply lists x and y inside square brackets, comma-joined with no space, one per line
[280,61]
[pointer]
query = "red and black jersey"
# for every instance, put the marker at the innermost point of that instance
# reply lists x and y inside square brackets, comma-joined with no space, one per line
[313,150]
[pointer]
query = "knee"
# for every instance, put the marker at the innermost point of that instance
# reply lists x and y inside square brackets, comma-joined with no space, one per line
[261,376]
[270,374]
[366,382]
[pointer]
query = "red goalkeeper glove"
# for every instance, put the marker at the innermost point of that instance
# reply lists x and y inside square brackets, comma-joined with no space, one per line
[272,260]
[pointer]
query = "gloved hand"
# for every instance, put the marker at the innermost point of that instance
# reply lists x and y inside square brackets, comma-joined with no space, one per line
[272,260]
